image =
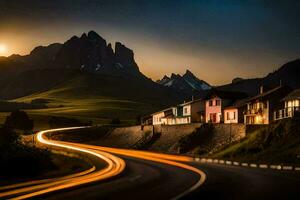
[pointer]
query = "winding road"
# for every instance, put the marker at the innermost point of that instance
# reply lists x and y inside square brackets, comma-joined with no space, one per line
[130,174]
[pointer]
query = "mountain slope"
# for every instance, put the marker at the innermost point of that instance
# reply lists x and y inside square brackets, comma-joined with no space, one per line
[100,98]
[45,67]
[288,74]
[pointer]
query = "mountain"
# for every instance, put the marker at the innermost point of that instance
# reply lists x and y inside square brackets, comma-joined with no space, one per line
[288,74]
[93,67]
[188,83]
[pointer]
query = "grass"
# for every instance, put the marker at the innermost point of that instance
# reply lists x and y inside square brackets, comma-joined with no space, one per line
[279,143]
[98,98]
[99,109]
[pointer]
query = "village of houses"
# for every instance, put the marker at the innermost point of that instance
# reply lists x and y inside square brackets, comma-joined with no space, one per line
[232,107]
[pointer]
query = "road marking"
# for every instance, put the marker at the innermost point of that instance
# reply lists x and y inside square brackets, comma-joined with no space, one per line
[287,167]
[253,165]
[263,166]
[221,161]
[228,162]
[245,164]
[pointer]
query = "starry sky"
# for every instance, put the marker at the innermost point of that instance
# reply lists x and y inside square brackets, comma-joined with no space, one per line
[217,40]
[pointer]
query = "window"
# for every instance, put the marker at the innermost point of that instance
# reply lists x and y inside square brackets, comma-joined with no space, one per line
[218,102]
[227,115]
[185,110]
[234,115]
[210,103]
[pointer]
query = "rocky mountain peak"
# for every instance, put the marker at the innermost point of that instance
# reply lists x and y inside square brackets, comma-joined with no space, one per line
[189,73]
[187,83]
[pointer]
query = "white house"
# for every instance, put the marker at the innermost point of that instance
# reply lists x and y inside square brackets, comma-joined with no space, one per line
[185,113]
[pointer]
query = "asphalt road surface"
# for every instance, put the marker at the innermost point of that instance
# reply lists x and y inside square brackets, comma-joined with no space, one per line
[130,174]
[234,182]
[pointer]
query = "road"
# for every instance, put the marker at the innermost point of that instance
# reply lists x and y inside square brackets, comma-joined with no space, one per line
[156,176]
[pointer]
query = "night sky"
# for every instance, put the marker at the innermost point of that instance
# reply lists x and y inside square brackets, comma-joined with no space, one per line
[217,40]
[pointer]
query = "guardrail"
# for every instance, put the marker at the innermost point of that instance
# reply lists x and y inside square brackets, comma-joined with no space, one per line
[249,165]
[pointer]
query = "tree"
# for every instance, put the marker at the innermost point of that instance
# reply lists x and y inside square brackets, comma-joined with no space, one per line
[19,120]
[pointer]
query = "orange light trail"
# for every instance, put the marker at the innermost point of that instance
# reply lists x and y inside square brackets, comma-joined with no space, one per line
[114,166]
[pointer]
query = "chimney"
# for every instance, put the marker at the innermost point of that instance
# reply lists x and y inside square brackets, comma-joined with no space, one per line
[261,89]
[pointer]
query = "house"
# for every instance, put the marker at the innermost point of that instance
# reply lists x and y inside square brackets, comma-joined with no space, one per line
[190,112]
[185,113]
[291,106]
[261,107]
[216,101]
[163,117]
[235,112]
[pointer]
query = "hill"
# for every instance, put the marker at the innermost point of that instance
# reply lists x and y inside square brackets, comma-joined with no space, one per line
[85,78]
[288,74]
[278,143]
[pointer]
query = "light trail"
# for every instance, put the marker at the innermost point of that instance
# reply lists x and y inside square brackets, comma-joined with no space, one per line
[157,157]
[114,166]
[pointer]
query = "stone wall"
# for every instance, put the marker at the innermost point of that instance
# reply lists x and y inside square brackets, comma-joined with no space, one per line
[124,137]
[201,140]
[170,135]
[167,138]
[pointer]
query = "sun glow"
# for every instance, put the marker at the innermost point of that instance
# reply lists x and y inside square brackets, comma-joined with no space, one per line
[3,49]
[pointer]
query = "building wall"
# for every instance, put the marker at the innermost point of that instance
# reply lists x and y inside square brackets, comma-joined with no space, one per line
[187,110]
[197,107]
[259,118]
[214,109]
[231,115]
[157,118]
[221,135]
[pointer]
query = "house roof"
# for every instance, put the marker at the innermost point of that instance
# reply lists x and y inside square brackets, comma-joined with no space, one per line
[190,102]
[293,95]
[234,95]
[163,110]
[267,93]
[238,103]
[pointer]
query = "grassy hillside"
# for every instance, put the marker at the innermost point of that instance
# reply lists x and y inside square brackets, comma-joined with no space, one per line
[99,98]
[275,144]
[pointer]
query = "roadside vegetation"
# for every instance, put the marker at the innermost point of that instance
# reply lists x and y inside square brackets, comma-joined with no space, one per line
[17,159]
[279,143]
[20,160]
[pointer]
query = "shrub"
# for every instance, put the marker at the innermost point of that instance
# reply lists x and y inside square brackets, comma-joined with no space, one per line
[19,120]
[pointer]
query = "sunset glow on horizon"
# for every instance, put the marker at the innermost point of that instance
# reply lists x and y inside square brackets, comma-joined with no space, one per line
[216,41]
